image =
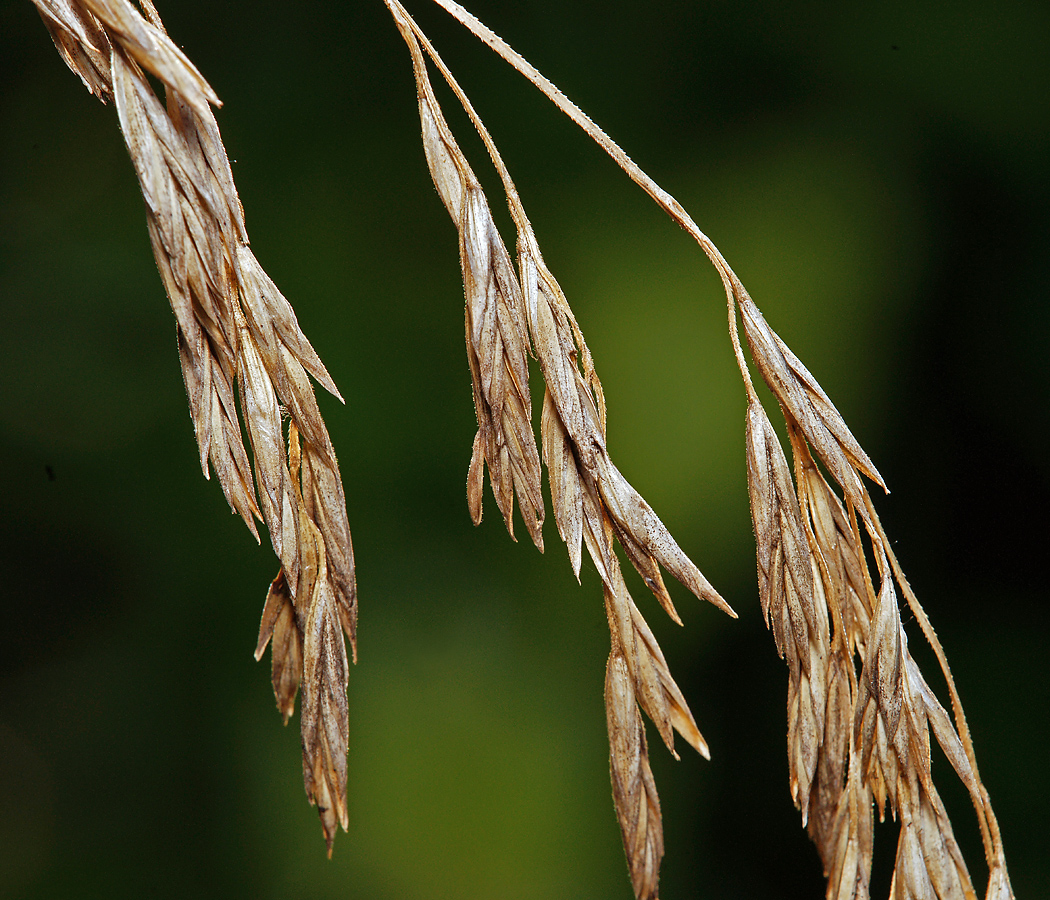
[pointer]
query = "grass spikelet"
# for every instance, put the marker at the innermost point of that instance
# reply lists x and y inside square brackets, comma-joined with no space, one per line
[278,624]
[594,505]
[634,791]
[786,591]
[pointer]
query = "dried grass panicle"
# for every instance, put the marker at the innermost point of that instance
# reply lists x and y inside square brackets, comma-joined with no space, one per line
[816,588]
[556,338]
[860,712]
[236,334]
[509,314]
[872,740]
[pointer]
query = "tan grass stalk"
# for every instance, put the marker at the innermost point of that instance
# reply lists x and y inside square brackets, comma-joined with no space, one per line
[237,334]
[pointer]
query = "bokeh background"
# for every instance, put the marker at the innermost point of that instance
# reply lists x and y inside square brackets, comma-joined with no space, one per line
[879,179]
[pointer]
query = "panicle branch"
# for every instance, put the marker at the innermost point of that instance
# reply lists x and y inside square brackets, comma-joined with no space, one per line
[871,741]
[237,334]
[510,314]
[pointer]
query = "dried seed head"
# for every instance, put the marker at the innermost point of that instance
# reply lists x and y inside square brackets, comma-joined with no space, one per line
[807,405]
[497,341]
[81,42]
[881,687]
[593,503]
[236,332]
[836,550]
[787,583]
[278,623]
[151,48]
[325,671]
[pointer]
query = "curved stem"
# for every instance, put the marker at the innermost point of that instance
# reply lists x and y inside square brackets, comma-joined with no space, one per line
[662,198]
[414,36]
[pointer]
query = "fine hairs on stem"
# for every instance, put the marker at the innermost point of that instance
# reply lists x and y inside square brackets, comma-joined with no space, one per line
[859,710]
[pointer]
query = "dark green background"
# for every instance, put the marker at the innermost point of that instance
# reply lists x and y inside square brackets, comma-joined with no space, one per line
[880,181]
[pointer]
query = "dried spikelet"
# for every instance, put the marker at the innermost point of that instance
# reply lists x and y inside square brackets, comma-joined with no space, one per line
[325,669]
[848,842]
[929,861]
[654,687]
[150,47]
[497,342]
[786,591]
[236,333]
[894,710]
[80,42]
[325,504]
[634,791]
[835,546]
[840,815]
[881,692]
[807,405]
[262,414]
[579,404]
[279,625]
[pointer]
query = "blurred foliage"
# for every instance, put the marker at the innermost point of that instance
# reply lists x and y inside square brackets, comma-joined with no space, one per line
[879,180]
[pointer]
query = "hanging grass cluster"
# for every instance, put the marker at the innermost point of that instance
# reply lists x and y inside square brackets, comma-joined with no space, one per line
[859,711]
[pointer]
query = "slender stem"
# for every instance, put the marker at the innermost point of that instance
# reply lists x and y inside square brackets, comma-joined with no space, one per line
[414,36]
[662,198]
